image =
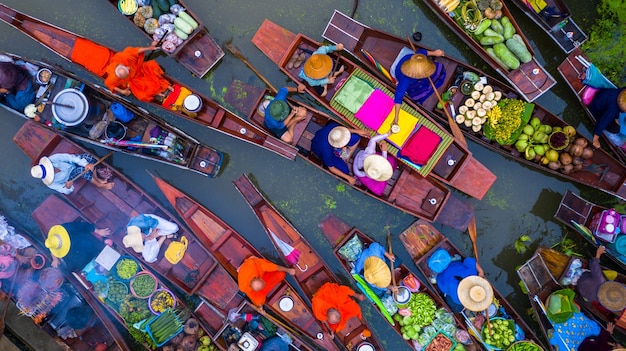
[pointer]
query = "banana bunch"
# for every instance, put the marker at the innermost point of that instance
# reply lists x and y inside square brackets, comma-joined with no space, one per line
[128,7]
[471,15]
[448,5]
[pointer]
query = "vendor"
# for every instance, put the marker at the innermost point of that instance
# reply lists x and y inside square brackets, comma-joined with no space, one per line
[373,266]
[608,107]
[16,84]
[449,279]
[145,234]
[333,304]
[374,169]
[58,172]
[279,117]
[74,245]
[589,282]
[317,70]
[334,144]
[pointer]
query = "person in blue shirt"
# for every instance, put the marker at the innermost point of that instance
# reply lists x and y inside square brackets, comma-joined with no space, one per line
[448,280]
[412,72]
[16,84]
[334,144]
[279,118]
[373,266]
[609,109]
[58,170]
[317,69]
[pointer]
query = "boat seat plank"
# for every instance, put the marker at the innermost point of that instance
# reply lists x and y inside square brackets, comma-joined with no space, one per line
[333,228]
[408,189]
[210,53]
[342,29]
[217,119]
[209,227]
[419,238]
[63,213]
[218,288]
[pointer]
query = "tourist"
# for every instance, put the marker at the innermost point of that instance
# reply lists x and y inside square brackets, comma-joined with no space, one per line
[279,117]
[332,304]
[317,70]
[589,282]
[146,233]
[373,265]
[258,276]
[372,169]
[16,84]
[448,280]
[74,245]
[59,171]
[608,107]
[334,144]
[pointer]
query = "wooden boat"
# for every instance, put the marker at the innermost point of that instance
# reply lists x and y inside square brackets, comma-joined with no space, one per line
[571,69]
[337,232]
[311,270]
[574,209]
[231,249]
[531,79]
[103,330]
[135,137]
[211,114]
[547,271]
[563,30]
[197,273]
[421,240]
[210,318]
[406,190]
[198,53]
[451,162]
[385,47]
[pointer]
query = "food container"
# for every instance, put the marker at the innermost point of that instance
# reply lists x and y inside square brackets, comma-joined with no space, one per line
[365,346]
[439,339]
[192,105]
[126,276]
[285,303]
[158,297]
[403,297]
[43,76]
[143,275]
[127,7]
[176,332]
[608,226]
[524,345]
[70,107]
[485,328]
[116,291]
[247,342]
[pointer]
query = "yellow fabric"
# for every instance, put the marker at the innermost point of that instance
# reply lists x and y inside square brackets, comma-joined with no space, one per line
[184,92]
[610,274]
[176,250]
[407,124]
[537,5]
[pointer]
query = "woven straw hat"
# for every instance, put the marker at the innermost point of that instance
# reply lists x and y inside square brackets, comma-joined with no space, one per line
[44,171]
[376,272]
[133,238]
[318,66]
[621,100]
[475,293]
[418,67]
[339,137]
[377,167]
[58,241]
[612,295]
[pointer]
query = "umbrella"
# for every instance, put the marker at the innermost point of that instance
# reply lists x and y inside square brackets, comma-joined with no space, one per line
[380,67]
[290,253]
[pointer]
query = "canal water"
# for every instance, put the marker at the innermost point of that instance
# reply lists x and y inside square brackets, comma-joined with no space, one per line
[521,202]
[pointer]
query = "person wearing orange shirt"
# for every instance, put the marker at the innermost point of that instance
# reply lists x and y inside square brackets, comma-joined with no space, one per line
[127,73]
[258,276]
[332,304]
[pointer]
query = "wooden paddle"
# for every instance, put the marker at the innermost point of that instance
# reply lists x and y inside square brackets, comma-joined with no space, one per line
[158,45]
[6,304]
[393,276]
[94,165]
[471,228]
[240,56]
[454,127]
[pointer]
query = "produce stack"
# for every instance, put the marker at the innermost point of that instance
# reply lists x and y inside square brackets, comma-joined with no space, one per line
[477,106]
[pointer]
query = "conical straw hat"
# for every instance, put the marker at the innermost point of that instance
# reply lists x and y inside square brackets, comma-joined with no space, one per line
[377,168]
[418,67]
[318,66]
[621,100]
[475,293]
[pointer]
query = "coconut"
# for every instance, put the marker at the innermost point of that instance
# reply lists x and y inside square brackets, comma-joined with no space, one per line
[191,326]
[468,122]
[189,342]
[481,112]
[554,165]
[578,167]
[491,96]
[488,105]
[487,89]
[587,153]
[470,102]
[476,128]
[478,86]
[577,161]
[497,95]
[576,150]
[581,141]
[475,95]
[478,105]
[463,109]
[567,169]
[482,98]
[476,121]
[460,119]
[470,114]
[565,158]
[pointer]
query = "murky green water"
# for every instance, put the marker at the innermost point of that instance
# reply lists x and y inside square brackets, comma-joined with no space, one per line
[522,201]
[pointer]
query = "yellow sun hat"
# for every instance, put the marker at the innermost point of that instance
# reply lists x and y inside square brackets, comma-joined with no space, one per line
[58,241]
[418,67]
[376,272]
[318,66]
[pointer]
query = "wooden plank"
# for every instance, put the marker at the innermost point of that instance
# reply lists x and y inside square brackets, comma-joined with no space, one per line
[273,37]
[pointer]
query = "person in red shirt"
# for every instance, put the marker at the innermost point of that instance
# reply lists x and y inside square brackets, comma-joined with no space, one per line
[332,304]
[258,276]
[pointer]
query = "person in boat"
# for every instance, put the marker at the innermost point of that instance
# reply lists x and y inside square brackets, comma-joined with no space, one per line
[74,245]
[127,73]
[601,342]
[448,279]
[317,70]
[374,169]
[412,72]
[334,144]
[58,172]
[608,107]
[589,282]
[8,261]
[373,265]
[258,276]
[333,304]
[16,84]
[146,233]
[279,117]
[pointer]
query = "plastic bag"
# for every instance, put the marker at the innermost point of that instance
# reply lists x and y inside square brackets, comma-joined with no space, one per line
[166,18]
[352,249]
[594,78]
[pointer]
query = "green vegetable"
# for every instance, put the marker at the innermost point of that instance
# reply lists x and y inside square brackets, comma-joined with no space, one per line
[483,25]
[519,50]
[502,333]
[126,268]
[492,53]
[183,25]
[180,33]
[185,17]
[508,29]
[156,11]
[491,40]
[496,26]
[143,285]
[506,56]
[161,4]
[117,291]
[172,2]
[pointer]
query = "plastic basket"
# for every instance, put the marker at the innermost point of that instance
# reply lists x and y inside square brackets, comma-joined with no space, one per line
[132,11]
[142,273]
[114,269]
[440,332]
[154,294]
[485,328]
[148,329]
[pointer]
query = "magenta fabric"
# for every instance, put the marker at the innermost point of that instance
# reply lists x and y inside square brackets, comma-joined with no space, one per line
[376,186]
[375,109]
[588,95]
[421,146]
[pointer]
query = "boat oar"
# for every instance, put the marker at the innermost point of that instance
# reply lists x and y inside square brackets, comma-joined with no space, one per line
[240,56]
[393,276]
[471,228]
[158,45]
[94,165]
[454,127]
[6,304]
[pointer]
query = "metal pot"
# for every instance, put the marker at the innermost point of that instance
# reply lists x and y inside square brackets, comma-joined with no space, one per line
[403,297]
[70,107]
[116,130]
[192,104]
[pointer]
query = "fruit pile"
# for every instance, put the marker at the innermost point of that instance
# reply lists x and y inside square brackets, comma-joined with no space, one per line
[475,109]
[502,333]
[506,120]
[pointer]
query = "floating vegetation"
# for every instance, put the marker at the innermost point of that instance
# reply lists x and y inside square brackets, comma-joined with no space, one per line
[521,244]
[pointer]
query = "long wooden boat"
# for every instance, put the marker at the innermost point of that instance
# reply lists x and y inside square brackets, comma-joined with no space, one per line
[562,29]
[385,47]
[197,273]
[451,162]
[198,53]
[211,115]
[135,137]
[406,190]
[311,271]
[574,209]
[571,69]
[548,270]
[421,240]
[231,249]
[530,79]
[337,232]
[103,330]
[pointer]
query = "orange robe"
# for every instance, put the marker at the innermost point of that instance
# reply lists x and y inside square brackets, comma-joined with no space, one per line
[145,78]
[331,295]
[254,267]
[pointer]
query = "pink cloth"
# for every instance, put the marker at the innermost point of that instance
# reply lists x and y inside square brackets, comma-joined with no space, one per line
[376,186]
[375,109]
[421,146]
[588,94]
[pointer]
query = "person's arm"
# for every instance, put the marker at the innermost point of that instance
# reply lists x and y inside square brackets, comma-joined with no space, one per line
[350,179]
[151,249]
[602,122]
[437,52]
[290,271]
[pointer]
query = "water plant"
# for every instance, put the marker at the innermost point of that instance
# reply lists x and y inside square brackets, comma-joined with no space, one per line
[566,246]
[521,244]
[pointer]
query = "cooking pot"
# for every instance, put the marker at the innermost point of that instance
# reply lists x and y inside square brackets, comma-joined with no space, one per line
[403,297]
[365,346]
[116,130]
[192,105]
[70,107]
